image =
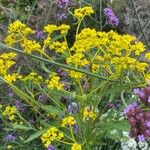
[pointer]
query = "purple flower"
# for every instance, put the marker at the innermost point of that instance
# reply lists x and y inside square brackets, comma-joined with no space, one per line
[75,128]
[10,94]
[112,18]
[19,105]
[148,123]
[10,137]
[72,108]
[62,3]
[39,34]
[50,147]
[141,138]
[61,16]
[132,105]
[137,90]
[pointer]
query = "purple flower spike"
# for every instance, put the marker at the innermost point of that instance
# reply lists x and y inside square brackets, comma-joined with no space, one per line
[50,147]
[10,94]
[75,128]
[61,16]
[19,105]
[10,138]
[137,90]
[112,18]
[141,138]
[72,108]
[62,3]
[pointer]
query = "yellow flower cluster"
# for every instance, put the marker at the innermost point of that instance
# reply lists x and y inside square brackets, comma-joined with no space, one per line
[82,12]
[89,114]
[68,121]
[17,31]
[29,46]
[58,46]
[6,62]
[107,50]
[75,74]
[76,146]
[54,82]
[147,56]
[9,78]
[34,77]
[10,112]
[51,135]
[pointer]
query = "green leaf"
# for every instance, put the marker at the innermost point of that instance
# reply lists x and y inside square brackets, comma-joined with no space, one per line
[21,94]
[52,110]
[21,127]
[35,135]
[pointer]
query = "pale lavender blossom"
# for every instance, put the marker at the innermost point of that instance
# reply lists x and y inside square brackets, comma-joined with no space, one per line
[62,3]
[61,16]
[10,137]
[73,107]
[132,105]
[141,138]
[112,18]
[50,147]
[19,105]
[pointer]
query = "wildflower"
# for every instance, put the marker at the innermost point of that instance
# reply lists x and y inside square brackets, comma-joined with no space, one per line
[63,28]
[112,18]
[34,77]
[10,137]
[89,114]
[50,28]
[9,147]
[82,12]
[75,74]
[29,46]
[76,146]
[68,121]
[10,78]
[51,135]
[19,105]
[72,108]
[10,112]
[50,147]
[54,82]
[147,56]
[58,47]
[141,138]
[6,62]
[61,16]
[62,3]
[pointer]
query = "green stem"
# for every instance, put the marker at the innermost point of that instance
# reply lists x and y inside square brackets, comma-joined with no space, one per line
[56,63]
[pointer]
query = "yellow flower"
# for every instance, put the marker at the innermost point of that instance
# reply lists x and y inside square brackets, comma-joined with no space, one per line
[50,135]
[10,112]
[9,147]
[81,12]
[89,114]
[147,56]
[29,46]
[75,74]
[95,67]
[9,78]
[54,82]
[6,62]
[34,77]
[50,28]
[76,146]
[68,121]
[58,47]
[63,28]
